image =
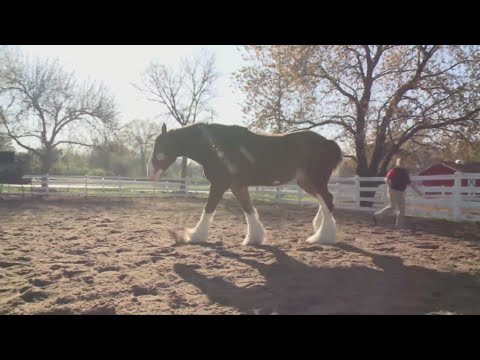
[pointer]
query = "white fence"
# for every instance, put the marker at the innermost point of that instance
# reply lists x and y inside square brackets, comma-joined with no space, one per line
[457,202]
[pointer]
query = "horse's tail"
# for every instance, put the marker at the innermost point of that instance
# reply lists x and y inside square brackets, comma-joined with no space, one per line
[335,153]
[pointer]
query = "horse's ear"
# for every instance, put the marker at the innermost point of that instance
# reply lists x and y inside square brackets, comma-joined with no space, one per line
[164,128]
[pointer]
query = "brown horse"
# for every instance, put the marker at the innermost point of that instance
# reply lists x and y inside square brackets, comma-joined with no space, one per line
[234,158]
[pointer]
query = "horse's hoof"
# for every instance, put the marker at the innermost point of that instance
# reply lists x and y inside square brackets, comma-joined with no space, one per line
[178,236]
[196,241]
[253,242]
[318,240]
[192,238]
[313,240]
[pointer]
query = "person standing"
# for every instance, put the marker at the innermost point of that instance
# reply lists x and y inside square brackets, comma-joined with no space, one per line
[397,180]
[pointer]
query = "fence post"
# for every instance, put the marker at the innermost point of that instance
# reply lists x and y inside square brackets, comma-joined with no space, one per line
[356,189]
[44,183]
[385,195]
[47,182]
[334,192]
[119,184]
[86,185]
[185,187]
[457,197]
[103,184]
[277,195]
[299,196]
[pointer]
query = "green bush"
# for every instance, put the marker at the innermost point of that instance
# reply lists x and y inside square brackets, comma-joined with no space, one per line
[97,172]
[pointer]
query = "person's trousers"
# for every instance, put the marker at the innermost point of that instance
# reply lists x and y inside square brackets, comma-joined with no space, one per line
[396,206]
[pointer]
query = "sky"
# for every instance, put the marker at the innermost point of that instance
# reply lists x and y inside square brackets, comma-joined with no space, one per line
[117,66]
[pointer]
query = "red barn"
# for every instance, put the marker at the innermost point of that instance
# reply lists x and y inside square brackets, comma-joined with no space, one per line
[449,168]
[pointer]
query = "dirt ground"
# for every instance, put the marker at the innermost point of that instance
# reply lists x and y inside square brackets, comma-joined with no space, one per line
[100,256]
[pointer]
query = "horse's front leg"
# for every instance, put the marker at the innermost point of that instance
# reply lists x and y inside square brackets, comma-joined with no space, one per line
[199,233]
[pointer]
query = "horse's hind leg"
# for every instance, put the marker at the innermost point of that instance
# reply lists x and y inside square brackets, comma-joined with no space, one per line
[256,234]
[324,223]
[327,233]
[305,183]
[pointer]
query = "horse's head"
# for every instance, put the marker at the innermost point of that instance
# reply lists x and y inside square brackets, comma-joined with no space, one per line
[163,155]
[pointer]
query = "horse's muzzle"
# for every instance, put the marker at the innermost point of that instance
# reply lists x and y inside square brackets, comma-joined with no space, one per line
[155,176]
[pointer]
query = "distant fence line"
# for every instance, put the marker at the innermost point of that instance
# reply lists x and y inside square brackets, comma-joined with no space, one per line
[457,202]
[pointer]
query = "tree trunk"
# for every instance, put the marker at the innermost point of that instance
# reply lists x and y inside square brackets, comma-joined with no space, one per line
[143,161]
[364,171]
[369,194]
[47,163]
[377,170]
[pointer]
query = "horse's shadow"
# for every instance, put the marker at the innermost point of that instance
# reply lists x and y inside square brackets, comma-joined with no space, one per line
[293,287]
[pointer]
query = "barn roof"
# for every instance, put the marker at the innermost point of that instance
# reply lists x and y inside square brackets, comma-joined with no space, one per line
[472,167]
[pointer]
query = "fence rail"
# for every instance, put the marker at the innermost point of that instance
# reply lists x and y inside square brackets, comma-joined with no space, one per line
[457,202]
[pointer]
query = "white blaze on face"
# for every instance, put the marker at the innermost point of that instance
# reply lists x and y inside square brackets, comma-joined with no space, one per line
[154,176]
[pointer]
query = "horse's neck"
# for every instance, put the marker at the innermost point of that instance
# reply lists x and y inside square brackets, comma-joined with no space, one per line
[198,151]
[197,154]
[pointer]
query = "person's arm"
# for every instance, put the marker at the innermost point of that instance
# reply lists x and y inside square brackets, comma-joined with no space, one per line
[388,181]
[414,187]
[388,178]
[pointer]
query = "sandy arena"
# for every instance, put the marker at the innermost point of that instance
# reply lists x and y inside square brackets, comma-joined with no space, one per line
[117,256]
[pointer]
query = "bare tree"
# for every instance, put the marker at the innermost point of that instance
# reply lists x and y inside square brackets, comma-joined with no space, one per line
[42,106]
[138,136]
[272,102]
[183,93]
[5,142]
[379,98]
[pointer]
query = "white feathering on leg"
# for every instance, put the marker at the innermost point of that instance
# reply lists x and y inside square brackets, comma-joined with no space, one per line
[199,233]
[327,232]
[318,220]
[256,234]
